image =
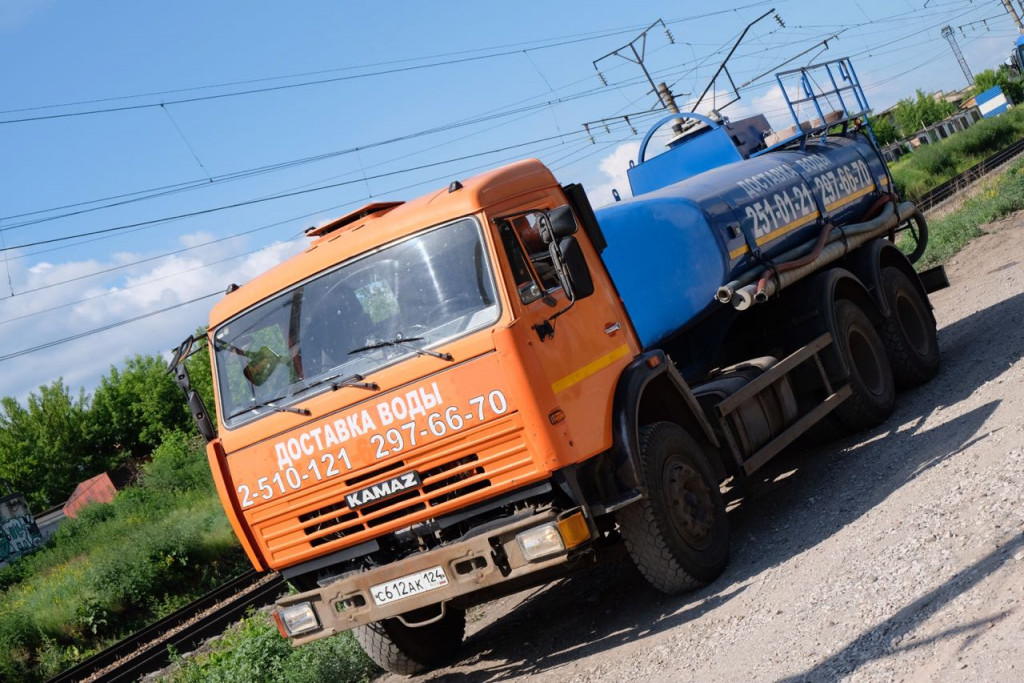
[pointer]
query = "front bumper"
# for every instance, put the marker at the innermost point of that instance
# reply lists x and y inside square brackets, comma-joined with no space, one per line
[471,565]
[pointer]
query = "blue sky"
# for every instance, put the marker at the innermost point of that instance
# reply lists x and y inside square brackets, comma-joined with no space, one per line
[406,85]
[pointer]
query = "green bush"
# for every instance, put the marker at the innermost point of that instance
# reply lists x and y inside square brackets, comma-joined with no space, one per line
[161,542]
[998,198]
[931,165]
[178,464]
[254,652]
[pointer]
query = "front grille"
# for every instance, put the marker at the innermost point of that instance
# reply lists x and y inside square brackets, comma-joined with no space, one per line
[396,506]
[497,459]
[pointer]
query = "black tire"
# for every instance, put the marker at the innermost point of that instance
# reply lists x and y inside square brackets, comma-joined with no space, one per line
[406,650]
[678,535]
[874,392]
[917,227]
[909,334]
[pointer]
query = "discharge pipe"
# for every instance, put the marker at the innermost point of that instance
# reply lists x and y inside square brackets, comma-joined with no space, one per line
[807,251]
[841,241]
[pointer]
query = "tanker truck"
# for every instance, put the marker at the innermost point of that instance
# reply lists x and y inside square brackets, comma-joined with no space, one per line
[450,399]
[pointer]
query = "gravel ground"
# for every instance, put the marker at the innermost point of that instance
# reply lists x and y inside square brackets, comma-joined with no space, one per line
[895,555]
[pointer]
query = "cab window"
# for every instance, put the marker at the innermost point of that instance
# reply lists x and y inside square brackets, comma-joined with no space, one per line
[528,255]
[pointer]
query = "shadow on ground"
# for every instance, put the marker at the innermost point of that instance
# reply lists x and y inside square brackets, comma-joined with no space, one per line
[802,498]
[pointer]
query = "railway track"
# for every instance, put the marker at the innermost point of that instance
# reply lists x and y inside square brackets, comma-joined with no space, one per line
[939,194]
[146,651]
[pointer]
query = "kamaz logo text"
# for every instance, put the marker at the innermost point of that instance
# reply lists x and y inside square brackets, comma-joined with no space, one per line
[382,490]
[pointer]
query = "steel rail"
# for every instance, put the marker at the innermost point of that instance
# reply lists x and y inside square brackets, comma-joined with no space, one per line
[939,194]
[146,651]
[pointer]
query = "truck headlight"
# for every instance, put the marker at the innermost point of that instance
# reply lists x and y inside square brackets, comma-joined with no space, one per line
[540,542]
[297,619]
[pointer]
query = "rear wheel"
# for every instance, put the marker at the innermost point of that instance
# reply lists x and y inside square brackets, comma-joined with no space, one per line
[678,536]
[874,394]
[407,650]
[909,334]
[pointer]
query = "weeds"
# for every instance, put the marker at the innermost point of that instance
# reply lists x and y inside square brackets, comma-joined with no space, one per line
[119,566]
[253,651]
[931,165]
[998,198]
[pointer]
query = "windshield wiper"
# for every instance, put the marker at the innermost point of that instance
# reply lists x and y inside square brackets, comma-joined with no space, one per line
[350,381]
[270,404]
[404,342]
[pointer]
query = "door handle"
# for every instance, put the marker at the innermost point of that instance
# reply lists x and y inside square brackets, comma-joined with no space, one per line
[612,329]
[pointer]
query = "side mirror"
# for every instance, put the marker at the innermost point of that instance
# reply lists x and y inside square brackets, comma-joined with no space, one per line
[557,223]
[572,269]
[192,397]
[198,410]
[181,353]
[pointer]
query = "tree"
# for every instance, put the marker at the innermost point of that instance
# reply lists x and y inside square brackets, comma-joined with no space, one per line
[45,449]
[911,115]
[885,131]
[134,407]
[1002,77]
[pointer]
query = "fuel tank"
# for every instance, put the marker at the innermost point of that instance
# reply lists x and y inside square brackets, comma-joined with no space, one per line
[670,249]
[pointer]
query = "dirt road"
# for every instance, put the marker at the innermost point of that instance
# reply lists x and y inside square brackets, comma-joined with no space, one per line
[897,554]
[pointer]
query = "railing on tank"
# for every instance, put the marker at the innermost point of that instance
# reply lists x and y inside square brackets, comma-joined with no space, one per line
[832,90]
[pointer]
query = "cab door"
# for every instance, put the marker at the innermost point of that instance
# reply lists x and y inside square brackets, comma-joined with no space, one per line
[580,347]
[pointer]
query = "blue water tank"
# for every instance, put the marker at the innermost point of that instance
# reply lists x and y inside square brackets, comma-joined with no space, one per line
[669,250]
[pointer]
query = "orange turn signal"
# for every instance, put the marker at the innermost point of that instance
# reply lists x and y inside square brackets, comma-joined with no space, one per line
[573,529]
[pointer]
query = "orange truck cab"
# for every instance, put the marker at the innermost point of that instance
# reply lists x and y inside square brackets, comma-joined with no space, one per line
[456,397]
[402,407]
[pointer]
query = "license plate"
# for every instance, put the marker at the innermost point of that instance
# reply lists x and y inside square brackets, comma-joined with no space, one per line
[408,586]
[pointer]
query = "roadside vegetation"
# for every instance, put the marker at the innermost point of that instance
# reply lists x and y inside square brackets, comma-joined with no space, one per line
[931,165]
[997,198]
[71,437]
[252,651]
[162,542]
[159,545]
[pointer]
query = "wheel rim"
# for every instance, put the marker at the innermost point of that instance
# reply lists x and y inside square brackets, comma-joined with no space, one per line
[911,323]
[866,362]
[691,509]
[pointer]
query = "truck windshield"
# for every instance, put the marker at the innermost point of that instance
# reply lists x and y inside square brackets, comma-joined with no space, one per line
[435,286]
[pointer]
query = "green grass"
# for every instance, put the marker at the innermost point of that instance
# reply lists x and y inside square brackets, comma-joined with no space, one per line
[118,567]
[997,198]
[931,165]
[253,651]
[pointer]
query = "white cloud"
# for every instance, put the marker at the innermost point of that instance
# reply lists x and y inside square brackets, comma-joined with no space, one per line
[612,175]
[112,298]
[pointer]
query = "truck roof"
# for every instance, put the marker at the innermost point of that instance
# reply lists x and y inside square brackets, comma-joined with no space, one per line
[375,229]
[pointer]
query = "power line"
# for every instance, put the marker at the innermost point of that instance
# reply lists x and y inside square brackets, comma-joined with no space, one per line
[282,195]
[592,35]
[129,198]
[121,323]
[249,172]
[104,328]
[130,264]
[141,195]
[320,81]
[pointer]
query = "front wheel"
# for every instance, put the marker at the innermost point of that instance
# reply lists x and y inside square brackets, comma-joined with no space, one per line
[678,535]
[407,650]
